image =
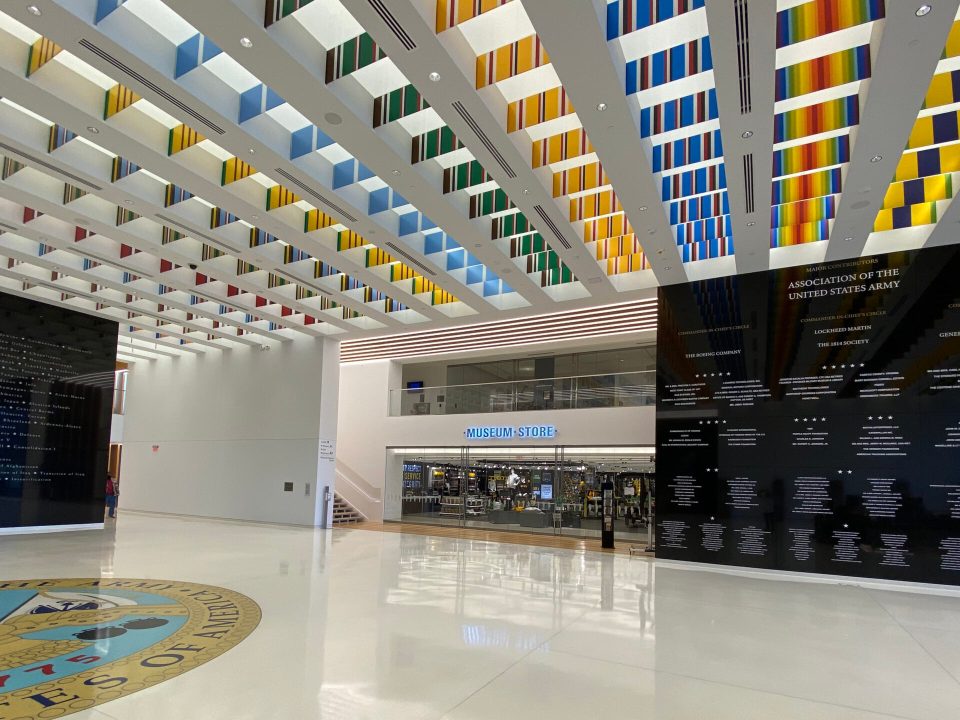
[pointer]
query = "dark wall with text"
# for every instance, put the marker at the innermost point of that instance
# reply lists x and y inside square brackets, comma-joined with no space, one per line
[56,394]
[808,419]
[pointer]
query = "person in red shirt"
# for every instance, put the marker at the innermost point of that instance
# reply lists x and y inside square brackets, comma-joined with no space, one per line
[112,492]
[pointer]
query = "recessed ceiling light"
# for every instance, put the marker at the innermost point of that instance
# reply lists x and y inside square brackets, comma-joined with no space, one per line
[396,172]
[601,107]
[255,217]
[876,158]
[751,223]
[434,76]
[923,10]
[246,42]
[668,268]
[526,191]
[659,252]
[643,208]
[34,10]
[128,202]
[333,118]
[847,239]
[252,151]
[94,130]
[746,134]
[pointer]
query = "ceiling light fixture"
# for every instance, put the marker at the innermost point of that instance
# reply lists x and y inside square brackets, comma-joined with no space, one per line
[643,208]
[525,191]
[659,252]
[668,268]
[434,76]
[876,158]
[34,10]
[246,42]
[746,134]
[252,151]
[601,107]
[396,172]
[91,128]
[333,118]
[751,223]
[923,10]
[255,217]
[847,239]
[128,202]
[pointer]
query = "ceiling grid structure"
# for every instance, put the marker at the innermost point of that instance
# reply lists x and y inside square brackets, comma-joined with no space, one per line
[243,172]
[521,215]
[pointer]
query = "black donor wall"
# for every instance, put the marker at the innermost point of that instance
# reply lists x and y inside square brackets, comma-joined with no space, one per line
[808,419]
[56,395]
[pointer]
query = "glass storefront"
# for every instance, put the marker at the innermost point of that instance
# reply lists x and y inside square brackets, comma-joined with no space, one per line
[554,490]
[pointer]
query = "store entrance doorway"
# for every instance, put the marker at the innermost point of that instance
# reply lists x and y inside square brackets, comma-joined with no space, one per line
[552,490]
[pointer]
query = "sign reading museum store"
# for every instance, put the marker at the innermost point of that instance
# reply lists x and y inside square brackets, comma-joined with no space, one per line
[510,432]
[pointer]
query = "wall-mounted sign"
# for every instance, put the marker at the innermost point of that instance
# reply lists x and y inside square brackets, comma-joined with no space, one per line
[511,432]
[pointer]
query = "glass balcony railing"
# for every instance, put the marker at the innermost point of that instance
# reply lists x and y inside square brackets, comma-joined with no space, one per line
[629,389]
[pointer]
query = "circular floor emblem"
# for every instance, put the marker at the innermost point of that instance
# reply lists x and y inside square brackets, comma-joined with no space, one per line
[67,645]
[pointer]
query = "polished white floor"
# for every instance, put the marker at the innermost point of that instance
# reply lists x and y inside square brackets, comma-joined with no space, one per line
[360,624]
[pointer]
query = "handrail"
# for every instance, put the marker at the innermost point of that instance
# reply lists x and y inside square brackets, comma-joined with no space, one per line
[357,481]
[529,380]
[619,389]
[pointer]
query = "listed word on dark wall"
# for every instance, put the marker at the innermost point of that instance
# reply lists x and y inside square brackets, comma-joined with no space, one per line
[56,393]
[808,419]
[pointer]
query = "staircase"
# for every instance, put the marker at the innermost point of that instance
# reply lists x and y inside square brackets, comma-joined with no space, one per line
[344,513]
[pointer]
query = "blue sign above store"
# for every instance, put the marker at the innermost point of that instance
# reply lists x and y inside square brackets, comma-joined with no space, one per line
[511,432]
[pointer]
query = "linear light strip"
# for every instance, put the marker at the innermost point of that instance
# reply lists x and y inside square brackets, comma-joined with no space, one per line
[467,338]
[407,349]
[417,349]
[537,322]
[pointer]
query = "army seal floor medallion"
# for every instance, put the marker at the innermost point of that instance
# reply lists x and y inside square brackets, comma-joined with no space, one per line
[68,645]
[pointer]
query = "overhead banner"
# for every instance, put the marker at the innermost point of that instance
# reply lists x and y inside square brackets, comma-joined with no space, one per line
[808,419]
[56,393]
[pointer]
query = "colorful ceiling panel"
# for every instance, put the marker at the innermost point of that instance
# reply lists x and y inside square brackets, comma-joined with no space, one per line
[673,92]
[823,69]
[222,172]
[923,185]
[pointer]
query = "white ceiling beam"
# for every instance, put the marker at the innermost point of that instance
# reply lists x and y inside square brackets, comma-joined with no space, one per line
[19,273]
[132,341]
[65,29]
[744,51]
[903,64]
[28,95]
[526,189]
[59,212]
[289,59]
[575,39]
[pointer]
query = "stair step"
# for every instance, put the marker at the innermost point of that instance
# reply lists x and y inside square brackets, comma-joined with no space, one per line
[344,512]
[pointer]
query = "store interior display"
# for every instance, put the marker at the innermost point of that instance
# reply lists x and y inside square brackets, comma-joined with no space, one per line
[528,494]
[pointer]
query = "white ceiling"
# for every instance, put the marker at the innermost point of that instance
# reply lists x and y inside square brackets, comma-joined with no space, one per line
[556,187]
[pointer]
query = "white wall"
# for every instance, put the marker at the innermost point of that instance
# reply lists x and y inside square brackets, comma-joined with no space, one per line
[366,429]
[229,429]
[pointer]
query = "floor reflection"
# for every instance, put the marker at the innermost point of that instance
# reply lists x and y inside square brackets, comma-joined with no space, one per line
[364,624]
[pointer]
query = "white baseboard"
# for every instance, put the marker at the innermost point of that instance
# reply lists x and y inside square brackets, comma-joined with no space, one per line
[35,529]
[792,576]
